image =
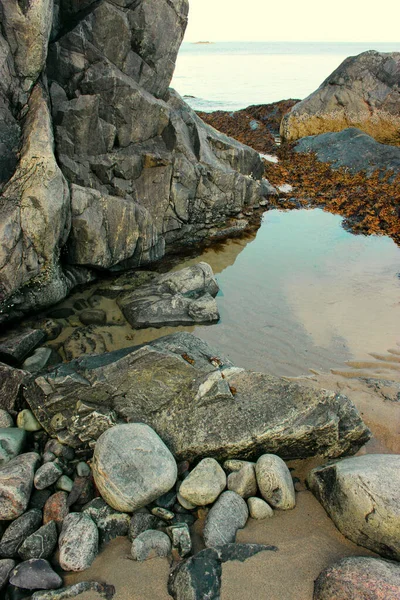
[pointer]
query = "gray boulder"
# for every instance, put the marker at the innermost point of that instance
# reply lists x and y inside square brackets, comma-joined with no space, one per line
[78,542]
[18,531]
[228,514]
[6,566]
[361,495]
[359,578]
[12,442]
[41,543]
[150,544]
[353,149]
[16,481]
[362,92]
[204,484]
[132,466]
[171,383]
[275,482]
[177,298]
[35,574]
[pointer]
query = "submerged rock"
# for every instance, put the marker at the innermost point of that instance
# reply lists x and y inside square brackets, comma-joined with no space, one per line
[359,578]
[362,92]
[132,466]
[362,496]
[172,383]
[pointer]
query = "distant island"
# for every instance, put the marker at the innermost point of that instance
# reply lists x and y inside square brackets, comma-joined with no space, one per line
[203,42]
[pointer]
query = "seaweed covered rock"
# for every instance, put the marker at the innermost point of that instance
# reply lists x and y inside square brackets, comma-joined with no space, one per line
[362,92]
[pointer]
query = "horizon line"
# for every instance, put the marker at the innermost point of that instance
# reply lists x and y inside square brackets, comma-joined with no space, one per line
[286,42]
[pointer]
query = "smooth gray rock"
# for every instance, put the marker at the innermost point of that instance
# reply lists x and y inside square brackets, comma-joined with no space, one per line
[150,544]
[228,514]
[132,466]
[18,531]
[39,360]
[177,298]
[362,92]
[78,542]
[35,574]
[275,482]
[259,509]
[359,578]
[40,544]
[204,484]
[243,482]
[352,149]
[6,419]
[12,442]
[180,382]
[46,475]
[6,566]
[361,495]
[141,521]
[26,420]
[16,481]
[15,346]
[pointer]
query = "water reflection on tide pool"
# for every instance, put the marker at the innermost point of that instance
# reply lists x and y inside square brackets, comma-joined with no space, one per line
[304,293]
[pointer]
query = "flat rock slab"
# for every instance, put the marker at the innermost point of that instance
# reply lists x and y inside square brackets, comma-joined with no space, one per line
[16,346]
[362,496]
[16,481]
[200,406]
[179,298]
[359,578]
[353,149]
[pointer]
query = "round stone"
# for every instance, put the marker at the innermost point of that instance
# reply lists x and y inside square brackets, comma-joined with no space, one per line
[275,482]
[132,466]
[83,469]
[27,420]
[259,509]
[204,484]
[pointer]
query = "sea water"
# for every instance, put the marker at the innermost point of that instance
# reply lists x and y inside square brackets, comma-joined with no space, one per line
[233,75]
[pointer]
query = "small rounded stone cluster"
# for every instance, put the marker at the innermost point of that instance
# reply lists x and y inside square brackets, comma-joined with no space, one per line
[54,519]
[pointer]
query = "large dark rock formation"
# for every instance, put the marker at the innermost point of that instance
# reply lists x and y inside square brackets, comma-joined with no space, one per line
[363,92]
[197,402]
[101,165]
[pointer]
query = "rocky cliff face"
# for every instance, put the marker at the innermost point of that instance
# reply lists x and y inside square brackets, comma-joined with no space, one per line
[362,92]
[102,166]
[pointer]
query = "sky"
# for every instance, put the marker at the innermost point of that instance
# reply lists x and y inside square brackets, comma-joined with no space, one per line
[294,20]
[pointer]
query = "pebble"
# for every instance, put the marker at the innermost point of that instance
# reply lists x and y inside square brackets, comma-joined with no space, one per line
[228,514]
[204,484]
[46,475]
[150,544]
[40,544]
[27,420]
[64,483]
[180,537]
[275,482]
[56,509]
[162,513]
[12,442]
[259,509]
[141,521]
[16,481]
[60,450]
[17,531]
[83,469]
[6,419]
[6,566]
[243,482]
[78,543]
[35,574]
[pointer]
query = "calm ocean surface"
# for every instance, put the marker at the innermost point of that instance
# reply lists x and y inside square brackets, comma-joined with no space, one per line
[233,75]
